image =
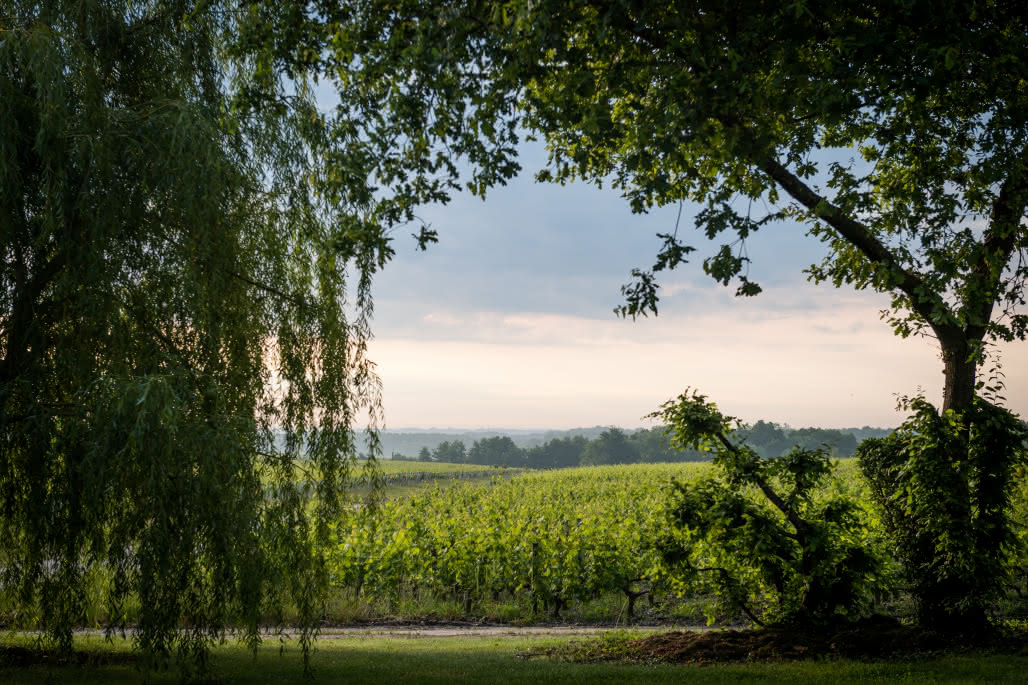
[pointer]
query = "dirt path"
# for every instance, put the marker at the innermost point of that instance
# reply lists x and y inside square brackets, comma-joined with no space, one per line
[414,630]
[461,630]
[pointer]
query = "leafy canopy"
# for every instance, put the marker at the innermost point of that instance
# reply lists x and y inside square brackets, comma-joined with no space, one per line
[897,131]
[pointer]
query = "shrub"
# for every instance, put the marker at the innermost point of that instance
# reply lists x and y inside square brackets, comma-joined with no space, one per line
[766,535]
[943,484]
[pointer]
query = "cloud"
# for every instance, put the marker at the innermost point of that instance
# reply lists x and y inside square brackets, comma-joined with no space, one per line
[816,310]
[545,371]
[442,319]
[563,249]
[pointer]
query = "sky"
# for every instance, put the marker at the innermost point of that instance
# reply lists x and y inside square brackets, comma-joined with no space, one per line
[508,322]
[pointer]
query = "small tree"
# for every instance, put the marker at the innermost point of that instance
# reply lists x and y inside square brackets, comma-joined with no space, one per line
[765,534]
[451,452]
[556,453]
[498,450]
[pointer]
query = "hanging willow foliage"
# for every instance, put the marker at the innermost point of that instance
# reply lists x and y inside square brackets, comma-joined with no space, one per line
[177,344]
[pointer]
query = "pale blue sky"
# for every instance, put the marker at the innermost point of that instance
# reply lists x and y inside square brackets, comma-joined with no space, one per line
[508,323]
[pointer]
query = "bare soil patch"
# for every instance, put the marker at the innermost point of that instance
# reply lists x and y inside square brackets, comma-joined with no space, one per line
[875,638]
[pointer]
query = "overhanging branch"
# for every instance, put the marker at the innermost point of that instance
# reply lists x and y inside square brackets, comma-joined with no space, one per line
[923,300]
[799,525]
[1000,241]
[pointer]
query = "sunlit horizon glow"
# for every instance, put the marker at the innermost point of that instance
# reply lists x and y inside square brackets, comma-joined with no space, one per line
[832,364]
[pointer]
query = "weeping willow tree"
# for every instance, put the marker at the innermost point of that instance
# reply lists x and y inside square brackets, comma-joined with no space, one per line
[181,362]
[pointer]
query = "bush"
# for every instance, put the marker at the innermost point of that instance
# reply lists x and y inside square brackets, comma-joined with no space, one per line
[943,484]
[765,534]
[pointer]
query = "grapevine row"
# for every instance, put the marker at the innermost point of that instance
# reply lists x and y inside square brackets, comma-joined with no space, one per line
[560,537]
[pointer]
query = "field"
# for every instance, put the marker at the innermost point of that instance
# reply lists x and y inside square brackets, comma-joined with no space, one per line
[554,547]
[399,479]
[388,466]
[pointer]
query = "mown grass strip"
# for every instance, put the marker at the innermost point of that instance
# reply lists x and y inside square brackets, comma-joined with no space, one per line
[451,661]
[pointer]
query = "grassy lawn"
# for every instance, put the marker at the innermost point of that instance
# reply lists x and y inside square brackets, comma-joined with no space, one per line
[450,660]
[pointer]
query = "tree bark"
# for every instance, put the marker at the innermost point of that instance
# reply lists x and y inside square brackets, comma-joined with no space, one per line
[960,372]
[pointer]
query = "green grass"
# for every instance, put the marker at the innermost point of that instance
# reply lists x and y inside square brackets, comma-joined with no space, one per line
[390,466]
[436,475]
[450,661]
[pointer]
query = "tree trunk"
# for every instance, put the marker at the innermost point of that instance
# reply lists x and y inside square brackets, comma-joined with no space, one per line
[959,371]
[953,604]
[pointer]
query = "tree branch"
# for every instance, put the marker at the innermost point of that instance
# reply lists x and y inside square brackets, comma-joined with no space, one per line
[23,316]
[295,299]
[798,524]
[999,241]
[147,323]
[923,300]
[725,575]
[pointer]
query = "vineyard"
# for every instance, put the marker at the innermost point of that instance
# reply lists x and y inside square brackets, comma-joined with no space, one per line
[548,539]
[460,542]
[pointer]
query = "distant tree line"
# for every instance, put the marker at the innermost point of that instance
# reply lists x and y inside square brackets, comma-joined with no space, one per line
[645,445]
[772,440]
